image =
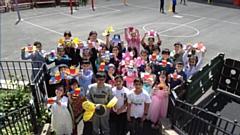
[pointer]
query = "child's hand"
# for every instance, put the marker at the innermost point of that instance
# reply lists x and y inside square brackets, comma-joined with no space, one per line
[143,118]
[128,118]
[50,82]
[171,65]
[23,49]
[59,57]
[65,76]
[59,103]
[181,78]
[69,94]
[119,111]
[145,34]
[45,103]
[83,97]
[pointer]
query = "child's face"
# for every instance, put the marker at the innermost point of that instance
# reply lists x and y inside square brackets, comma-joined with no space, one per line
[93,37]
[156,52]
[100,81]
[111,70]
[67,37]
[59,92]
[138,85]
[39,47]
[115,51]
[179,67]
[148,69]
[74,86]
[85,67]
[165,56]
[144,56]
[192,62]
[61,52]
[133,52]
[86,55]
[62,70]
[103,50]
[162,78]
[133,37]
[150,42]
[119,82]
[177,48]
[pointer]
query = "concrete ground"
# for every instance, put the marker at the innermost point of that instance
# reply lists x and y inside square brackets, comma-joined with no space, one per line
[216,25]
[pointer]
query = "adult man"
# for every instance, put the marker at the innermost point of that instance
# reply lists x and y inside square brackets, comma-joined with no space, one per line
[100,93]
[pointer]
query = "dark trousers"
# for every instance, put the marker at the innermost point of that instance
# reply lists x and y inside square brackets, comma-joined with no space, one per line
[87,128]
[136,126]
[173,8]
[121,123]
[161,7]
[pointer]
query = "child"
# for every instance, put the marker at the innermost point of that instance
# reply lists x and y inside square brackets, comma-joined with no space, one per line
[144,57]
[62,58]
[178,76]
[116,42]
[38,55]
[76,103]
[110,75]
[159,106]
[177,53]
[191,65]
[134,40]
[100,93]
[61,121]
[117,55]
[151,44]
[130,73]
[85,75]
[134,51]
[148,78]
[102,51]
[168,68]
[120,108]
[137,108]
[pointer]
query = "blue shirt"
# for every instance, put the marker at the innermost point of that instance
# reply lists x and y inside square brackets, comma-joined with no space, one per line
[86,81]
[65,60]
[176,82]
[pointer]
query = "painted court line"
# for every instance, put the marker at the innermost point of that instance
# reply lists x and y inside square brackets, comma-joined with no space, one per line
[149,8]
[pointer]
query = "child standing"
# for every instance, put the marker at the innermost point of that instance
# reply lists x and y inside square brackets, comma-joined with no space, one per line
[191,64]
[137,109]
[178,76]
[159,106]
[150,44]
[85,75]
[110,75]
[76,103]
[134,40]
[62,58]
[61,118]
[148,78]
[120,108]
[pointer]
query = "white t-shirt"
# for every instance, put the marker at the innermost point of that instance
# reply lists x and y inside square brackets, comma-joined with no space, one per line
[137,103]
[121,96]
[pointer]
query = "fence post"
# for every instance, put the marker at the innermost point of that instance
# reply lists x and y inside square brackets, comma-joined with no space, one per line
[35,100]
[33,119]
[216,77]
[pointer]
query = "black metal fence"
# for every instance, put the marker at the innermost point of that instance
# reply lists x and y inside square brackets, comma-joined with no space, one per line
[16,75]
[192,120]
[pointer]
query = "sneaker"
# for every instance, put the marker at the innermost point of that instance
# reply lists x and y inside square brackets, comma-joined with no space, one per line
[153,126]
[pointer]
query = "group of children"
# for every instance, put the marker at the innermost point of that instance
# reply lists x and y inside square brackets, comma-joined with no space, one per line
[140,79]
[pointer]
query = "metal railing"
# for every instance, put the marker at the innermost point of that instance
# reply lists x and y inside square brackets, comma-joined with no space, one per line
[192,120]
[20,121]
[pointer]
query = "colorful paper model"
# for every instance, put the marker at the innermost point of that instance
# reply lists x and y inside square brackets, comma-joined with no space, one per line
[138,61]
[131,29]
[102,66]
[61,41]
[72,71]
[57,78]
[78,91]
[175,76]
[161,86]
[152,33]
[154,57]
[164,63]
[107,56]
[30,48]
[76,41]
[108,31]
[98,109]
[52,55]
[50,100]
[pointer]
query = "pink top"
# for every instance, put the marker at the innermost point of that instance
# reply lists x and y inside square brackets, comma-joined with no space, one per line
[135,43]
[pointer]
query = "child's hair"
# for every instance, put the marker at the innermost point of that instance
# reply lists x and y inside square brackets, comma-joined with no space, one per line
[138,79]
[67,33]
[118,77]
[145,51]
[37,43]
[60,47]
[73,81]
[162,73]
[91,33]
[156,48]
[117,35]
[151,38]
[193,57]
[179,63]
[157,80]
[62,66]
[59,86]
[87,62]
[104,46]
[134,49]
[148,65]
[166,51]
[111,65]
[178,43]
[101,74]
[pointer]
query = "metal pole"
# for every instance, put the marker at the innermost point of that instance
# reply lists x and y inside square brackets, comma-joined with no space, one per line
[71,9]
